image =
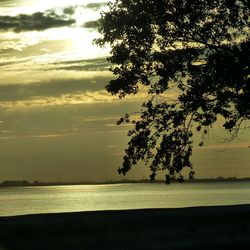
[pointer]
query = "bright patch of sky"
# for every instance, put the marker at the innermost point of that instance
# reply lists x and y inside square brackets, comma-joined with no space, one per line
[67,42]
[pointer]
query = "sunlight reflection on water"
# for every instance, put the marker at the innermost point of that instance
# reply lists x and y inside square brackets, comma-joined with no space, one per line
[31,200]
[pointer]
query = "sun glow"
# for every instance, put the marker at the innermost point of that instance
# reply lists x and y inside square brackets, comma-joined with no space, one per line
[79,42]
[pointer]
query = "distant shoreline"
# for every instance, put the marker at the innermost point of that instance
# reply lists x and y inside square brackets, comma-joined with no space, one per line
[24,183]
[215,227]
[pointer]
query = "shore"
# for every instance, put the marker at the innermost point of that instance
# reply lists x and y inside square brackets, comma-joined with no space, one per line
[222,227]
[25,183]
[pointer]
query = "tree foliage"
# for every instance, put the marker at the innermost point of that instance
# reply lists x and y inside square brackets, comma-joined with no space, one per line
[198,50]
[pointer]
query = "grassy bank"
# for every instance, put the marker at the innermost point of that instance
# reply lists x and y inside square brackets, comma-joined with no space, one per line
[183,228]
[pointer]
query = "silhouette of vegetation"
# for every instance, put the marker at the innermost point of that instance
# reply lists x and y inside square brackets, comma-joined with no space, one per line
[192,57]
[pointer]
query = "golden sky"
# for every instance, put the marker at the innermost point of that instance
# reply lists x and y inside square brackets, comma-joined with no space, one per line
[57,122]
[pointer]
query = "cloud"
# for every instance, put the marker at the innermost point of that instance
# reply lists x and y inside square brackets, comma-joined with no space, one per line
[10,62]
[91,24]
[69,99]
[97,64]
[74,98]
[61,92]
[58,17]
[22,50]
[111,146]
[96,6]
[69,10]
[49,121]
[38,21]
[51,88]
[44,136]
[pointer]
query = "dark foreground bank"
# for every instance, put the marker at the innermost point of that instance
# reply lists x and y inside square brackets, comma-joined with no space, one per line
[225,227]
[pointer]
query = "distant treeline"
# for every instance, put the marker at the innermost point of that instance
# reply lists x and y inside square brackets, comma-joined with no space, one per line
[25,183]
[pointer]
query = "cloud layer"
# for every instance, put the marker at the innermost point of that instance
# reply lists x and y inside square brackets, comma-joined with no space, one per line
[37,21]
[58,17]
[54,87]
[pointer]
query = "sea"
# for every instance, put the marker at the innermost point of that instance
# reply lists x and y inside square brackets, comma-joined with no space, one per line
[73,198]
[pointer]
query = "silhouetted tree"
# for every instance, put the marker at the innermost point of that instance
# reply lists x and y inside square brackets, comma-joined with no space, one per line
[198,50]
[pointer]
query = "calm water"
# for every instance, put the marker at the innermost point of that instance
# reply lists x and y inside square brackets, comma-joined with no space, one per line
[32,200]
